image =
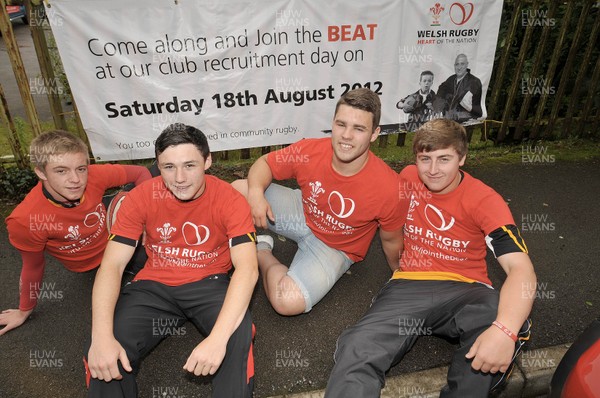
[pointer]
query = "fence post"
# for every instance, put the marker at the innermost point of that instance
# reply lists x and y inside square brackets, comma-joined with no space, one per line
[587,108]
[551,70]
[35,15]
[80,130]
[401,138]
[13,138]
[566,70]
[19,69]
[383,140]
[515,81]
[539,56]
[580,76]
[497,87]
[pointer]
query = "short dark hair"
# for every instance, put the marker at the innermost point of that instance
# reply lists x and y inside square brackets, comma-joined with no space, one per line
[179,133]
[440,134]
[363,99]
[425,73]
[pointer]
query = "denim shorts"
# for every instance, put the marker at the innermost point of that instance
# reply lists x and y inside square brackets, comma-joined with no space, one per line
[315,267]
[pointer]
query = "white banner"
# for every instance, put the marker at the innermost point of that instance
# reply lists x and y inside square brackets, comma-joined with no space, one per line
[445,60]
[259,73]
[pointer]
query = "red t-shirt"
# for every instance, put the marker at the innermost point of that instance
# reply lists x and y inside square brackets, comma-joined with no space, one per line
[445,234]
[75,236]
[341,211]
[185,241]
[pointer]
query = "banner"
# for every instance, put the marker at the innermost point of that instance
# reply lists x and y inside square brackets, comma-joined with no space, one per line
[264,72]
[445,60]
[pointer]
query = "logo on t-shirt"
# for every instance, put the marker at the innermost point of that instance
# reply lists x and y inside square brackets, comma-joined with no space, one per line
[315,191]
[93,218]
[74,233]
[340,206]
[329,221]
[413,204]
[195,235]
[436,218]
[165,232]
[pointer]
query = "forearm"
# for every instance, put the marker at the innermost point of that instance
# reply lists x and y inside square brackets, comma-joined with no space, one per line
[104,299]
[32,274]
[107,286]
[259,176]
[392,245]
[516,298]
[392,252]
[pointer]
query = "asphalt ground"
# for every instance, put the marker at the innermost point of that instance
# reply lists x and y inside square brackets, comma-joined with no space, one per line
[32,68]
[294,354]
[557,202]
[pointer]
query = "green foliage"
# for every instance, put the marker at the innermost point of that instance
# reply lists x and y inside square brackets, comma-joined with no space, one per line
[58,68]
[15,183]
[23,131]
[544,82]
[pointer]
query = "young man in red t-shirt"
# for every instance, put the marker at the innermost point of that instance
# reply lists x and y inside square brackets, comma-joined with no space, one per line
[346,193]
[442,287]
[197,227]
[63,214]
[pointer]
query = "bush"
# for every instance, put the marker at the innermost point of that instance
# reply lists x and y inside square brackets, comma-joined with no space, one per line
[15,183]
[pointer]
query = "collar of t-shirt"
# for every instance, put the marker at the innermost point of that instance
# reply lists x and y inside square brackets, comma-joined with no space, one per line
[67,204]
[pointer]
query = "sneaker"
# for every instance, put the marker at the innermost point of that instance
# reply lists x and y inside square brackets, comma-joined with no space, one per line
[264,242]
[500,379]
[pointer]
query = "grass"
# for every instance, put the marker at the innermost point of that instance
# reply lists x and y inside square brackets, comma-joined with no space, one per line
[24,134]
[485,153]
[482,153]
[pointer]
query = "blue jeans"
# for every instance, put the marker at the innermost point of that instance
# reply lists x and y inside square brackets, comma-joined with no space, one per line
[316,267]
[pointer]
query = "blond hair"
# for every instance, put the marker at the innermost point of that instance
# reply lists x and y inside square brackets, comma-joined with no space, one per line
[47,146]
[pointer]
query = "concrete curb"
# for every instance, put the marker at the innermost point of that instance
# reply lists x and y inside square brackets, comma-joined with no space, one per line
[530,378]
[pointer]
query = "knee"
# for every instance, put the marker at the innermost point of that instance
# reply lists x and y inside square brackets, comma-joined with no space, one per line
[131,347]
[351,342]
[287,307]
[287,300]
[241,186]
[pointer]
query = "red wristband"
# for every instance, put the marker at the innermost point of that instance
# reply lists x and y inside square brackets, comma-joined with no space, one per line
[505,330]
